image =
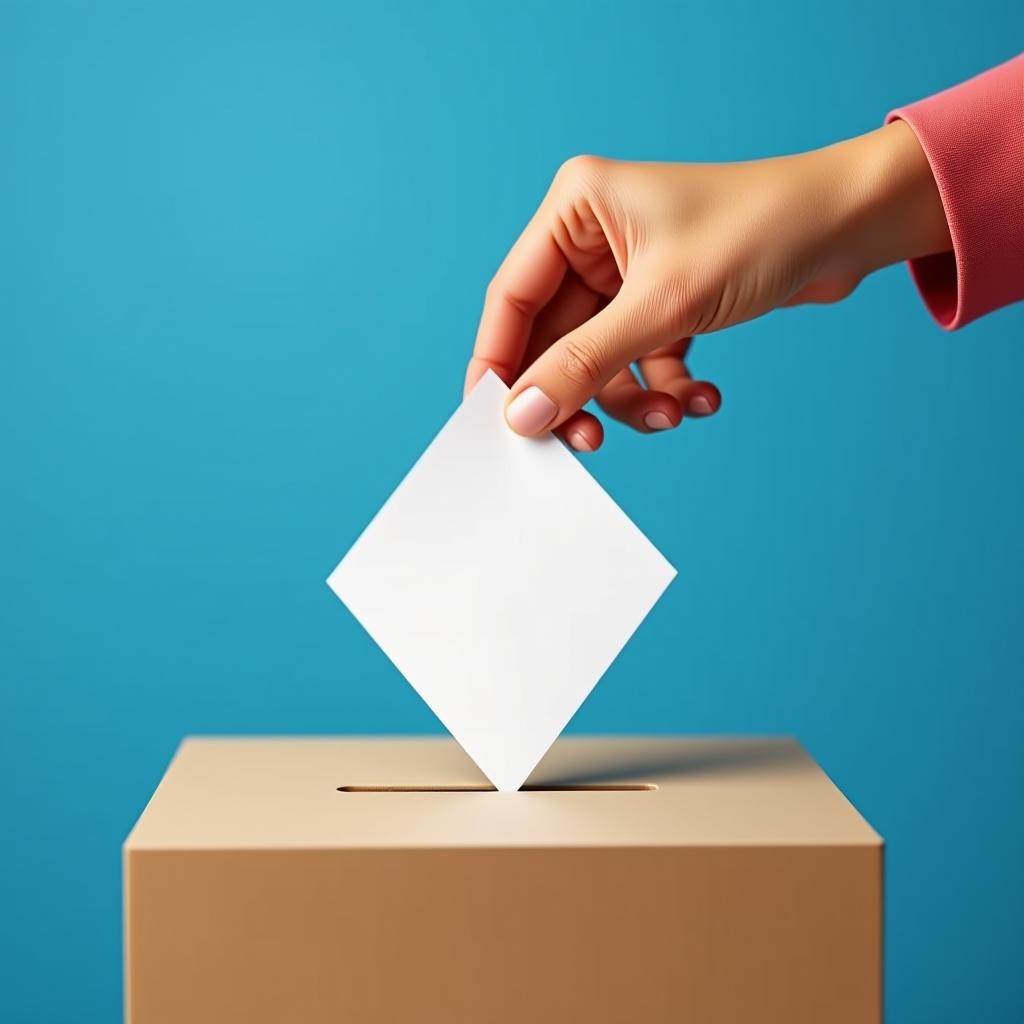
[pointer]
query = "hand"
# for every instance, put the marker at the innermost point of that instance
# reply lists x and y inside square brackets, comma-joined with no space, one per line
[624,262]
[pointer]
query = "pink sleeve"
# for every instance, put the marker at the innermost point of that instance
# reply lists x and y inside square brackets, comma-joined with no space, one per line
[973,136]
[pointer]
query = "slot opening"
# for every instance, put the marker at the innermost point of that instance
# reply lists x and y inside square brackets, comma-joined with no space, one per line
[623,787]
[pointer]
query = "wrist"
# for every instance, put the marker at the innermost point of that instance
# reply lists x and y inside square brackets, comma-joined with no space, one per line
[889,208]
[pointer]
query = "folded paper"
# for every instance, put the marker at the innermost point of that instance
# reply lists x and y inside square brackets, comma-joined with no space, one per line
[502,581]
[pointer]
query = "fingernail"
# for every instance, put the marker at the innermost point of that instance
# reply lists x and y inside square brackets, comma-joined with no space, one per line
[579,441]
[658,421]
[699,406]
[530,412]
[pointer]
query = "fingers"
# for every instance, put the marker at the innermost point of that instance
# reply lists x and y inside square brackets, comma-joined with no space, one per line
[526,281]
[647,411]
[582,432]
[579,365]
[665,371]
[573,304]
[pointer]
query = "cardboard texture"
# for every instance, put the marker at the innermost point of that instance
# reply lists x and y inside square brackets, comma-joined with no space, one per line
[300,880]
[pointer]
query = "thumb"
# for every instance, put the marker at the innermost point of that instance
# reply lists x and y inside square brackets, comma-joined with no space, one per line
[575,368]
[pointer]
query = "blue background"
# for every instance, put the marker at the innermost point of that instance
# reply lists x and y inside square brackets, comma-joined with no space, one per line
[242,254]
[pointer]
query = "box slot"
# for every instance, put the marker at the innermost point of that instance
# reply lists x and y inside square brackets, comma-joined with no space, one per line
[624,787]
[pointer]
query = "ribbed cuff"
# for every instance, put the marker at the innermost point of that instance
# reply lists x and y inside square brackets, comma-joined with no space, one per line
[973,137]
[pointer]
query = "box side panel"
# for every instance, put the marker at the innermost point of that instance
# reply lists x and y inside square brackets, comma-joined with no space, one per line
[713,936]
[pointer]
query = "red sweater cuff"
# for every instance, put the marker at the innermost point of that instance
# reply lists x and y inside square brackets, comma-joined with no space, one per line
[973,137]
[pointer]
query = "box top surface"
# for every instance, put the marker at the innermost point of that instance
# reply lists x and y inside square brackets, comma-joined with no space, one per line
[285,793]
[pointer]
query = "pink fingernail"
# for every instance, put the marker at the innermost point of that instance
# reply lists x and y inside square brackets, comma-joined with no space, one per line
[699,406]
[658,421]
[530,412]
[579,441]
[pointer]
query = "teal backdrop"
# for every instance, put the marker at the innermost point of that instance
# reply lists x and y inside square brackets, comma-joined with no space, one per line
[243,249]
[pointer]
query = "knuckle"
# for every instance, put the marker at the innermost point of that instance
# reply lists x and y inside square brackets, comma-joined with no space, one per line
[581,362]
[498,292]
[580,170]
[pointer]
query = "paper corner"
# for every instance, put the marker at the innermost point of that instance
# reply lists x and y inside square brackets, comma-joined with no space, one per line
[333,582]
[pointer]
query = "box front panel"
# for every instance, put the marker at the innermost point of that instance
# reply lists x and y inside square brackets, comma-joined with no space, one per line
[713,936]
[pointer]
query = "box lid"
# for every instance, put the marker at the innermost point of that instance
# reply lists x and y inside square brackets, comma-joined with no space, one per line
[370,793]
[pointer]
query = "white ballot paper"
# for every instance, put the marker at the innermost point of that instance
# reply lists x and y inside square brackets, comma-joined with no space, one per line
[502,581]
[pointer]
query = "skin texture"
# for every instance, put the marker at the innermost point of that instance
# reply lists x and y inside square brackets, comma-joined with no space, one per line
[623,263]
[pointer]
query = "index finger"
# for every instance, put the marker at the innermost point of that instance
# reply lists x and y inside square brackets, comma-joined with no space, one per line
[527,280]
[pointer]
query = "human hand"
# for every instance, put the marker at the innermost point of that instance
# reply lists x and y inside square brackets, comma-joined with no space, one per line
[624,262]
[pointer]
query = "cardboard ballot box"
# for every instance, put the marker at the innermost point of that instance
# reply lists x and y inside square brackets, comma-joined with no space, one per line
[331,880]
